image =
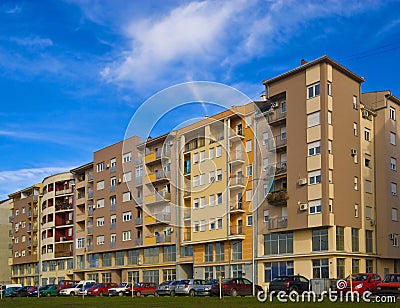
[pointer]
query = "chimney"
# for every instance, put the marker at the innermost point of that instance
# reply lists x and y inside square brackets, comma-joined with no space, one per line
[302,62]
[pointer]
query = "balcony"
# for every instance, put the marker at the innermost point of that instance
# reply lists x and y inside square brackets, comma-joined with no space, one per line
[90,247]
[90,229]
[276,143]
[187,214]
[63,191]
[28,228]
[139,160]
[157,218]
[139,201]
[113,207]
[236,135]
[139,181]
[10,219]
[158,197]
[113,225]
[236,182]
[63,253]
[28,214]
[276,117]
[163,239]
[138,221]
[90,195]
[138,241]
[28,243]
[35,227]
[113,188]
[90,211]
[236,207]
[34,242]
[278,169]
[64,206]
[277,223]
[113,244]
[279,197]
[152,158]
[90,176]
[194,144]
[236,158]
[113,169]
[236,232]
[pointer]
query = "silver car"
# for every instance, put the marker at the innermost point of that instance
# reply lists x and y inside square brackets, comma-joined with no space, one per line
[167,288]
[189,286]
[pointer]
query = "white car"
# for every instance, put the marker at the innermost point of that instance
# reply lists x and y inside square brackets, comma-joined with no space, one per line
[120,289]
[74,289]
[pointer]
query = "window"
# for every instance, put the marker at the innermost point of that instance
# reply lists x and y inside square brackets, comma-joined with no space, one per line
[321,268]
[202,202]
[355,105]
[100,221]
[196,203]
[127,157]
[80,242]
[368,212]
[202,225]
[249,195]
[249,170]
[196,226]
[314,148]
[126,236]
[392,113]
[219,223]
[113,238]
[61,265]
[368,241]
[100,240]
[355,128]
[329,117]
[395,241]
[315,206]
[202,156]
[151,276]
[219,151]
[278,243]
[330,146]
[367,160]
[219,251]
[355,183]
[355,240]
[340,268]
[266,216]
[313,90]
[273,269]
[339,238]
[394,214]
[107,259]
[393,188]
[169,254]
[369,266]
[249,220]
[202,179]
[367,134]
[127,176]
[237,270]
[212,224]
[393,163]
[127,216]
[329,88]
[208,252]
[313,119]
[212,176]
[139,171]
[219,198]
[100,185]
[93,260]
[169,274]
[355,265]
[126,196]
[237,250]
[212,200]
[248,146]
[320,239]
[330,176]
[283,107]
[314,177]
[113,200]
[100,166]
[196,181]
[392,138]
[211,153]
[219,175]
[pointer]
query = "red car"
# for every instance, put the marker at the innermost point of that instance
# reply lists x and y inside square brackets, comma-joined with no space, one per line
[100,289]
[142,288]
[235,287]
[389,286]
[362,282]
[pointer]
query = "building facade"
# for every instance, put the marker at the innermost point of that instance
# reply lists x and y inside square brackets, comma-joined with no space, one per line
[5,241]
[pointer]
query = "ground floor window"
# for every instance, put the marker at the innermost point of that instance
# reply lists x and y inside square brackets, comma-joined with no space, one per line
[208,273]
[106,277]
[220,271]
[320,268]
[355,265]
[340,268]
[237,270]
[369,266]
[169,274]
[44,281]
[273,269]
[52,280]
[133,276]
[94,277]
[151,276]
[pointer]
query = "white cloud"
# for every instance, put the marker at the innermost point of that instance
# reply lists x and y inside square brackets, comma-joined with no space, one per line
[15,180]
[33,41]
[15,10]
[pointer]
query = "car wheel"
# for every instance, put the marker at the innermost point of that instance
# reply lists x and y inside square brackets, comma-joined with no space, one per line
[48,294]
[156,294]
[101,294]
[234,292]
[172,293]
[138,294]
[121,294]
[191,293]
[72,293]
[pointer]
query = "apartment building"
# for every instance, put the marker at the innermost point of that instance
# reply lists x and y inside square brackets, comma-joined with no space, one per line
[25,235]
[5,241]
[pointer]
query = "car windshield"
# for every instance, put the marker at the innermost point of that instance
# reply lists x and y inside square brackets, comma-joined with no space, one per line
[280,278]
[165,283]
[358,277]
[97,285]
[122,285]
[392,278]
[184,281]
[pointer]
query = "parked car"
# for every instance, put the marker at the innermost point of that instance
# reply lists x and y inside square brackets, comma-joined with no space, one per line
[100,289]
[6,286]
[188,286]
[63,284]
[203,289]
[84,290]
[389,286]
[7,292]
[235,287]
[362,282]
[73,290]
[167,288]
[122,287]
[142,288]
[49,290]
[289,283]
[21,292]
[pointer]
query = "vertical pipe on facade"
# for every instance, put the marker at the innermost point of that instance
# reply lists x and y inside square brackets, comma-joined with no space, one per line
[228,226]
[178,196]
[254,227]
[39,242]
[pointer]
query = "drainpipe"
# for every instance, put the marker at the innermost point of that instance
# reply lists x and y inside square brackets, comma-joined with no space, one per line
[254,213]
[228,225]
[177,199]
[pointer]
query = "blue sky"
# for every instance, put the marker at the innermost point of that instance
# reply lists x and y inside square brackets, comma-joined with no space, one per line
[72,73]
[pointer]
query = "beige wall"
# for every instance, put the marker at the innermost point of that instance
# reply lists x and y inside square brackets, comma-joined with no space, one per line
[5,241]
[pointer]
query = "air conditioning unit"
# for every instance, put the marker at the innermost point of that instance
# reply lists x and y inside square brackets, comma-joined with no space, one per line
[372,222]
[108,166]
[394,193]
[274,105]
[302,181]
[365,114]
[303,206]
[353,152]
[119,180]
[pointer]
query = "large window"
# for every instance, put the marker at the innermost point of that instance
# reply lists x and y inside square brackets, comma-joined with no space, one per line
[237,270]
[340,268]
[106,277]
[273,269]
[339,238]
[93,260]
[151,255]
[151,276]
[313,90]
[278,243]
[107,258]
[169,274]
[237,250]
[219,251]
[354,240]
[320,268]
[133,257]
[169,254]
[320,239]
[368,241]
[208,272]
[208,252]
[119,258]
